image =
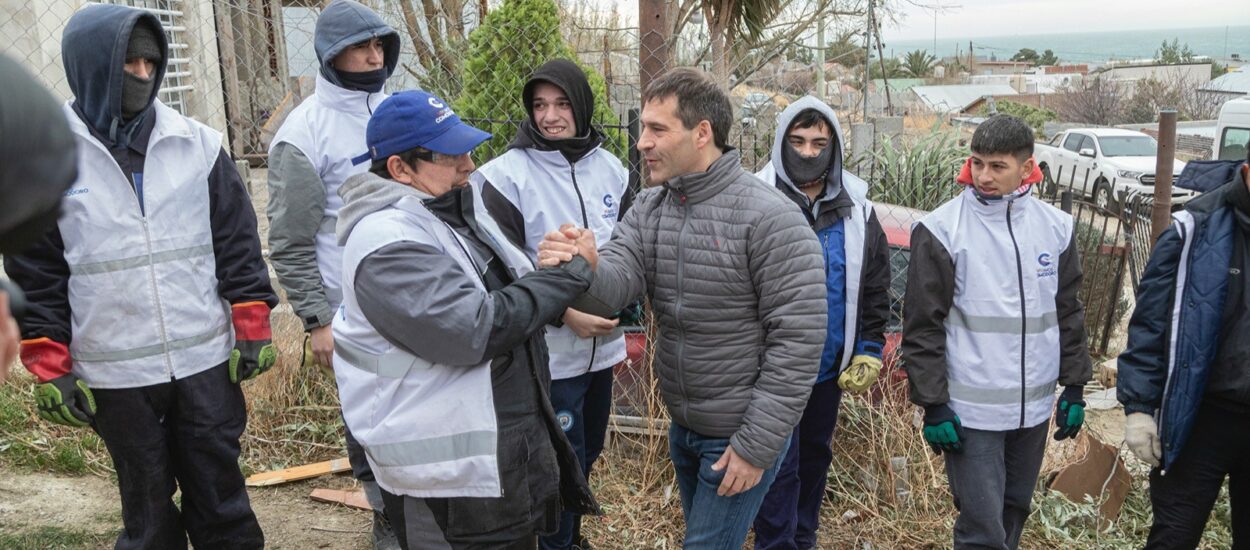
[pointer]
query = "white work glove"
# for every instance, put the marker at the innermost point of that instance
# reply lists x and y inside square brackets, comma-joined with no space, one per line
[1142,436]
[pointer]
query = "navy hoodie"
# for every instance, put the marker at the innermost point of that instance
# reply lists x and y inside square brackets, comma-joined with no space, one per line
[94,49]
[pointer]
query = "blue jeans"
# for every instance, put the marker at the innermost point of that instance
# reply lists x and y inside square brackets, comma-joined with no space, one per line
[583,405]
[713,522]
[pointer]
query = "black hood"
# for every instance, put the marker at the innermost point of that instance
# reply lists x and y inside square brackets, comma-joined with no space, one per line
[93,49]
[344,23]
[568,77]
[38,157]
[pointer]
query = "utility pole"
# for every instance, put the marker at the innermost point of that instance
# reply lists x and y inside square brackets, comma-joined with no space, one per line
[653,29]
[820,57]
[1162,211]
[867,58]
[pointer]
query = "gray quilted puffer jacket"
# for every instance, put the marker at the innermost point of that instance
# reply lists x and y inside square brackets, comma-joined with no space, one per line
[736,280]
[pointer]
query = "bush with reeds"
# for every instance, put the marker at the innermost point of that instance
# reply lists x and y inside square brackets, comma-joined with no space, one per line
[917,173]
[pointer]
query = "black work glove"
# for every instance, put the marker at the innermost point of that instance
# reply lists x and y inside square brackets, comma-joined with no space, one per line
[1070,412]
[942,429]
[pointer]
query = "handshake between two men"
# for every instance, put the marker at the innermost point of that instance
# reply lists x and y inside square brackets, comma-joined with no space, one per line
[563,244]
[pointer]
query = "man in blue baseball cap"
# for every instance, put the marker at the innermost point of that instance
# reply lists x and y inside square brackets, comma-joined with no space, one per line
[439,354]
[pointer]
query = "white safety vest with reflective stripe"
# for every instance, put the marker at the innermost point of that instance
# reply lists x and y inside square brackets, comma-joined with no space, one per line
[429,430]
[1002,333]
[329,128]
[143,283]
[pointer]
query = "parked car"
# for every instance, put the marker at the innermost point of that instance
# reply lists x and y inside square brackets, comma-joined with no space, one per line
[630,389]
[1105,164]
[1232,130]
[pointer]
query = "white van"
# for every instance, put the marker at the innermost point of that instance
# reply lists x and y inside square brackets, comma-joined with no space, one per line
[1232,131]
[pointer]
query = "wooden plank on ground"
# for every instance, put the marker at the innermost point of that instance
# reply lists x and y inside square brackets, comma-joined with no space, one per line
[352,499]
[297,473]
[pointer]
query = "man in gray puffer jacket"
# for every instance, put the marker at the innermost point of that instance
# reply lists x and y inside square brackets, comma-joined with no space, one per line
[735,278]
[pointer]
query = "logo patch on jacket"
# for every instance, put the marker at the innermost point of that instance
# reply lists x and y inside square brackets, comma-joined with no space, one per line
[611,210]
[1045,266]
[77,191]
[565,418]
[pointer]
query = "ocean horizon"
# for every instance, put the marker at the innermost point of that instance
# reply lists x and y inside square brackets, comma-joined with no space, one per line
[1218,43]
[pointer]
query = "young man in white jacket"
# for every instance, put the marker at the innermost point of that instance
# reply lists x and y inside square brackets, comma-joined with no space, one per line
[149,299]
[556,172]
[309,159]
[992,326]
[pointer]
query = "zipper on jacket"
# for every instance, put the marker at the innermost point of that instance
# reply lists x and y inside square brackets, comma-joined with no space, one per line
[156,293]
[1023,312]
[581,202]
[681,292]
[1167,381]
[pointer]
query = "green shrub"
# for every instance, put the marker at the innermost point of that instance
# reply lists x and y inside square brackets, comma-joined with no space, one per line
[920,176]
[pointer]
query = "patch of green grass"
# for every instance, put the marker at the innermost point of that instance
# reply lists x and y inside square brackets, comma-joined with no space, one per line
[51,538]
[32,444]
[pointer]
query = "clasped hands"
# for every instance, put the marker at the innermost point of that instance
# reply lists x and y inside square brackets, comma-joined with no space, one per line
[561,245]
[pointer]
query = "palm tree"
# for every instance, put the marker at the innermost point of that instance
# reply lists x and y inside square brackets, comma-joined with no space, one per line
[919,63]
[727,20]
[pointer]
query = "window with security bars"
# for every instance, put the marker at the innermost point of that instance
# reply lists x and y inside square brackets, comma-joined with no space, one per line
[177,83]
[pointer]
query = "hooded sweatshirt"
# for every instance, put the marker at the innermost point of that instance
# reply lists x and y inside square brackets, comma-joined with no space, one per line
[93,50]
[310,158]
[415,295]
[64,306]
[856,253]
[540,184]
[568,77]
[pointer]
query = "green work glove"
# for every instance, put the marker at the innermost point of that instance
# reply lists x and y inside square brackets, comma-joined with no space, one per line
[65,400]
[942,429]
[1070,412]
[253,351]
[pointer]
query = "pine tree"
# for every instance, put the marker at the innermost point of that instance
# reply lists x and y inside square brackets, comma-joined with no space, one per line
[514,40]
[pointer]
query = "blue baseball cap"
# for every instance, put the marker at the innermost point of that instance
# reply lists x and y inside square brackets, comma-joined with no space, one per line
[411,119]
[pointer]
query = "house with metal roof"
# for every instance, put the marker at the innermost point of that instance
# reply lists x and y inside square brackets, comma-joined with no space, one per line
[954,99]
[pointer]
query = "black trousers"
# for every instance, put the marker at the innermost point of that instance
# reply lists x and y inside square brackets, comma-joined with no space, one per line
[180,434]
[1218,446]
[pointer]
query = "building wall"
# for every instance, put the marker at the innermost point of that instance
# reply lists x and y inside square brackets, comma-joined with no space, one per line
[1197,73]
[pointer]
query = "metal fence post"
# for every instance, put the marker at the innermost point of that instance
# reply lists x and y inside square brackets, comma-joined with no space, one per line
[1163,175]
[1065,200]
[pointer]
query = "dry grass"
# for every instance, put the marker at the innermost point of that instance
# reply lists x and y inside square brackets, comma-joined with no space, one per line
[886,489]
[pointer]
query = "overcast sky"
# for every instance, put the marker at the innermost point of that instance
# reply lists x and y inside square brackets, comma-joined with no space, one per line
[973,18]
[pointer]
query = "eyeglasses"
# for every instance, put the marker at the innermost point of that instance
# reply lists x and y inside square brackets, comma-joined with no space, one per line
[441,159]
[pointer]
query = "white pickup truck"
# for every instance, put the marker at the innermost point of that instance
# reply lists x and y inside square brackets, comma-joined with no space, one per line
[1232,132]
[1107,164]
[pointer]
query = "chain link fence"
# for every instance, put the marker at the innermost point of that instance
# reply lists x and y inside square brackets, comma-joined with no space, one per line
[241,66]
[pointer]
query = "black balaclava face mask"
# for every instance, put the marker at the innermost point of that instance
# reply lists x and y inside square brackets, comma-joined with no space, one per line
[804,171]
[367,81]
[137,92]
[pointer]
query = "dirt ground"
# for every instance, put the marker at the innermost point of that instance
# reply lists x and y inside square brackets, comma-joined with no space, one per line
[89,506]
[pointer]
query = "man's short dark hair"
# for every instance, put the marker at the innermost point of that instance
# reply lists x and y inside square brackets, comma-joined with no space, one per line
[378,167]
[808,118]
[698,99]
[1001,134]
